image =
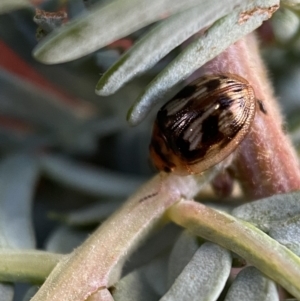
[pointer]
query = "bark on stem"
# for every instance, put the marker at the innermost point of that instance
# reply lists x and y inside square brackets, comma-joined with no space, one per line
[266,162]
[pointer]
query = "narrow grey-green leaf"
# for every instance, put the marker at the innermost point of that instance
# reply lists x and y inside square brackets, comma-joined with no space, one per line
[251,285]
[105,24]
[287,233]
[6,292]
[18,98]
[266,211]
[11,140]
[160,243]
[160,41]
[204,276]
[136,285]
[7,5]
[65,239]
[291,3]
[105,126]
[91,215]
[95,181]
[30,293]
[220,36]
[84,136]
[285,25]
[182,252]
[18,176]
[156,274]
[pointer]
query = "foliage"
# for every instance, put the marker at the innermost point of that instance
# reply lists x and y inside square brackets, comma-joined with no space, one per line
[69,159]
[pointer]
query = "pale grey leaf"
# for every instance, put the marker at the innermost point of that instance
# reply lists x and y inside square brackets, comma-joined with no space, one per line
[285,24]
[84,136]
[141,284]
[204,276]
[269,210]
[95,181]
[182,252]
[18,176]
[220,36]
[156,274]
[91,215]
[105,24]
[251,285]
[30,293]
[6,292]
[18,98]
[65,239]
[160,243]
[160,41]
[104,126]
[11,140]
[287,233]
[134,288]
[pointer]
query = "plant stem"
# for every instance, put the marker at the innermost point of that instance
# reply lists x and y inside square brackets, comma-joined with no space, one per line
[269,256]
[27,265]
[266,162]
[98,262]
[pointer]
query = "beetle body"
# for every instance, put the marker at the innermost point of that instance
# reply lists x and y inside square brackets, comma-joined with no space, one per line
[203,124]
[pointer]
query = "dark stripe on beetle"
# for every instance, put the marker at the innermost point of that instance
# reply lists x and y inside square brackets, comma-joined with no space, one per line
[212,84]
[225,102]
[157,148]
[210,136]
[238,90]
[186,92]
[210,128]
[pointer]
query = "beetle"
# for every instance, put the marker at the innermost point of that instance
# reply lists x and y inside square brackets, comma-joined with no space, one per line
[203,124]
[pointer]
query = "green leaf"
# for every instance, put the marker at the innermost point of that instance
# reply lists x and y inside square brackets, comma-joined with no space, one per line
[251,284]
[105,24]
[291,3]
[217,38]
[30,293]
[65,239]
[182,252]
[139,285]
[287,233]
[285,25]
[92,214]
[8,5]
[160,41]
[204,277]
[95,181]
[19,97]
[264,212]
[6,292]
[266,254]
[18,176]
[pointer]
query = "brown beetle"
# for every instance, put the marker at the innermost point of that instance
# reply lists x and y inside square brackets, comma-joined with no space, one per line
[203,124]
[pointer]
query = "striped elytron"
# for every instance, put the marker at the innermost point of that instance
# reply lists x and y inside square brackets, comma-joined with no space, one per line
[203,124]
